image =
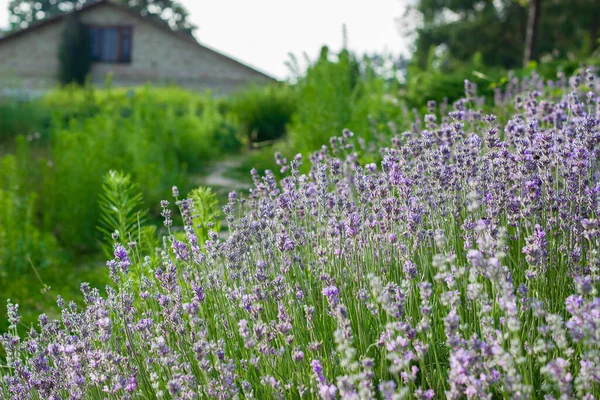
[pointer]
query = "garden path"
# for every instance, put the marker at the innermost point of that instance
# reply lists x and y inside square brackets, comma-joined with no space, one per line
[218,178]
[217,175]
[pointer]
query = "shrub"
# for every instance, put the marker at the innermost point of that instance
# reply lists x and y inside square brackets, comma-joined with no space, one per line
[339,93]
[325,97]
[85,150]
[201,135]
[154,134]
[264,112]
[440,85]
[378,112]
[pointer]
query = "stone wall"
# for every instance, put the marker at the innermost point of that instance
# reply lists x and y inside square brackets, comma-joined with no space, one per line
[30,59]
[158,56]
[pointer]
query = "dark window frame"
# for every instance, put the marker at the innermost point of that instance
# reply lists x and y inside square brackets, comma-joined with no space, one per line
[121,31]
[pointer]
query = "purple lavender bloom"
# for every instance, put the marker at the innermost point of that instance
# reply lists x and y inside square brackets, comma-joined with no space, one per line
[331,292]
[474,244]
[122,257]
[317,370]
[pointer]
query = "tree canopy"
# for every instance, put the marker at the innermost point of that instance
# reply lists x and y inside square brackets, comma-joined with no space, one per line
[496,29]
[25,12]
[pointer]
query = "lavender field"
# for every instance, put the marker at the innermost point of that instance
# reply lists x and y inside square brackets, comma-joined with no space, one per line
[462,264]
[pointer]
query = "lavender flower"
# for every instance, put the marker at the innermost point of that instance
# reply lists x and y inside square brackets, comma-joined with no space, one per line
[465,264]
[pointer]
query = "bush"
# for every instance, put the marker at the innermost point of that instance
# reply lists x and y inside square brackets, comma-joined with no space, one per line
[201,135]
[154,134]
[142,142]
[443,79]
[264,112]
[325,97]
[378,112]
[443,86]
[339,93]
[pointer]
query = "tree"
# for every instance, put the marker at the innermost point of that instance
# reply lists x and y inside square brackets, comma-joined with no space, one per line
[498,29]
[75,61]
[25,12]
[462,28]
[533,17]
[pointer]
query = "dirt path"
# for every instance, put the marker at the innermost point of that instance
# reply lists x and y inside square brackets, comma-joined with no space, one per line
[216,176]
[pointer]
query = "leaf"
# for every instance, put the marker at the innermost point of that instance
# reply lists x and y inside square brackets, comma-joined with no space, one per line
[121,205]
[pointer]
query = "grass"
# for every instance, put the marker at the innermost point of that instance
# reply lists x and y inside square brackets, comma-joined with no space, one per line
[36,289]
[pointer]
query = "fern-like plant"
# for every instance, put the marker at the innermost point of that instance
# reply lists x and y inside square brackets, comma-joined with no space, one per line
[206,216]
[122,209]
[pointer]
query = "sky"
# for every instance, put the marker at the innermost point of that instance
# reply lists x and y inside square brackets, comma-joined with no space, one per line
[262,33]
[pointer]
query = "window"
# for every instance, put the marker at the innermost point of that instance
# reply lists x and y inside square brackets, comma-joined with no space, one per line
[111,44]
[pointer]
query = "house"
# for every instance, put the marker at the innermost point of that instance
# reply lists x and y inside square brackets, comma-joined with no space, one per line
[132,48]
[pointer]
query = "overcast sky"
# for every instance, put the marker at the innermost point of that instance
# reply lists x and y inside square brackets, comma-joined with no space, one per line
[262,32]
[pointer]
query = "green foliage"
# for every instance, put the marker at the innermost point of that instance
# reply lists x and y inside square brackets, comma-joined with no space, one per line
[264,112]
[325,97]
[121,205]
[35,289]
[550,67]
[136,137]
[155,135]
[149,240]
[439,85]
[19,117]
[443,78]
[201,133]
[74,53]
[22,242]
[206,212]
[496,30]
[377,109]
[341,92]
